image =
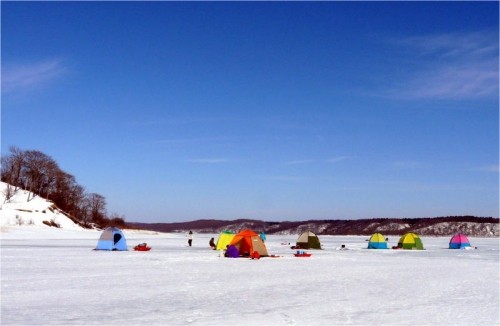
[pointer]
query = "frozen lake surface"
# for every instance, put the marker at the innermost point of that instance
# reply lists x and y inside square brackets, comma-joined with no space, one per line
[53,277]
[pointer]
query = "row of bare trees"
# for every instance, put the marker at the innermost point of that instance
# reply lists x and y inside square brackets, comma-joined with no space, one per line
[38,173]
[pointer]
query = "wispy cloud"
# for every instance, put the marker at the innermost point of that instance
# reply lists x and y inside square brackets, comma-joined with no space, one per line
[179,121]
[404,165]
[424,186]
[338,159]
[22,77]
[476,80]
[455,45]
[209,160]
[298,162]
[309,161]
[488,168]
[192,141]
[285,178]
[451,66]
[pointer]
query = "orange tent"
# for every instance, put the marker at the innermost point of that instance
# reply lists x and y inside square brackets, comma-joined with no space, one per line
[247,242]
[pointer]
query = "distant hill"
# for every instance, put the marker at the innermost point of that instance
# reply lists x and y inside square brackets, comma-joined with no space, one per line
[22,208]
[437,226]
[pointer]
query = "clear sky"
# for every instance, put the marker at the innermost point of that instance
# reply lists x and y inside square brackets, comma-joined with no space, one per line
[176,111]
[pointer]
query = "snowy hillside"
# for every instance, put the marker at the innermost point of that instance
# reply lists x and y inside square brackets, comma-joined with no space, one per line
[24,209]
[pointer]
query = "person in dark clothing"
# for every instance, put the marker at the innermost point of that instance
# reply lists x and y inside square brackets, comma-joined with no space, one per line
[212,243]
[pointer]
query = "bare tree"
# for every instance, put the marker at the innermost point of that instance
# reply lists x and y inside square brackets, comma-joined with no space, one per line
[38,173]
[8,193]
[12,167]
[116,220]
[68,195]
[96,208]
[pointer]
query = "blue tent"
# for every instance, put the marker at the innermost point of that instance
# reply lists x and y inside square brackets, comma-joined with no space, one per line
[112,238]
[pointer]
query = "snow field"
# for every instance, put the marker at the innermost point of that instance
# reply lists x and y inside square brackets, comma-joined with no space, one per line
[56,278]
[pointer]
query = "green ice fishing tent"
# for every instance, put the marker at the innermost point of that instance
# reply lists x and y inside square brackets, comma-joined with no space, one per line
[308,240]
[410,240]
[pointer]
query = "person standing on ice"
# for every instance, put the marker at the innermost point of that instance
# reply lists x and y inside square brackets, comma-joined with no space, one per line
[262,236]
[190,238]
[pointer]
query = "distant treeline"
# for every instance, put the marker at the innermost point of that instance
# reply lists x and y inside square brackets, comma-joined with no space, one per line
[389,226]
[38,173]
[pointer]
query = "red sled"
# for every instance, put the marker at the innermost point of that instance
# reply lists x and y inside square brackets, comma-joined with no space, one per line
[142,247]
[302,255]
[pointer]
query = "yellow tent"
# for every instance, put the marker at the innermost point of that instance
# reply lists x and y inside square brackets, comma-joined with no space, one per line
[224,240]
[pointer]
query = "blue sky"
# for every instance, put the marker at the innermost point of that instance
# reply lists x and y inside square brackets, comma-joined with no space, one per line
[176,111]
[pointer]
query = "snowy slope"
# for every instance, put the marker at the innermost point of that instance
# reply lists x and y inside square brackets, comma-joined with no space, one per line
[18,210]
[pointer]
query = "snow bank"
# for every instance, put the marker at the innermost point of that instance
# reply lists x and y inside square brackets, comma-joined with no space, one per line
[24,209]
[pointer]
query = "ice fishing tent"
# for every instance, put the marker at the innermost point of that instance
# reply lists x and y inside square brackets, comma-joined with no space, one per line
[308,240]
[377,241]
[224,240]
[112,238]
[410,240]
[459,241]
[247,241]
[232,252]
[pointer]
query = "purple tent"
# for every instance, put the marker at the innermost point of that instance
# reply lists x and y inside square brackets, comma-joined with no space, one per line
[232,252]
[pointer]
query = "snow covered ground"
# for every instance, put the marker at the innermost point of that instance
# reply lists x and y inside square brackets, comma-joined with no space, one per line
[52,276]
